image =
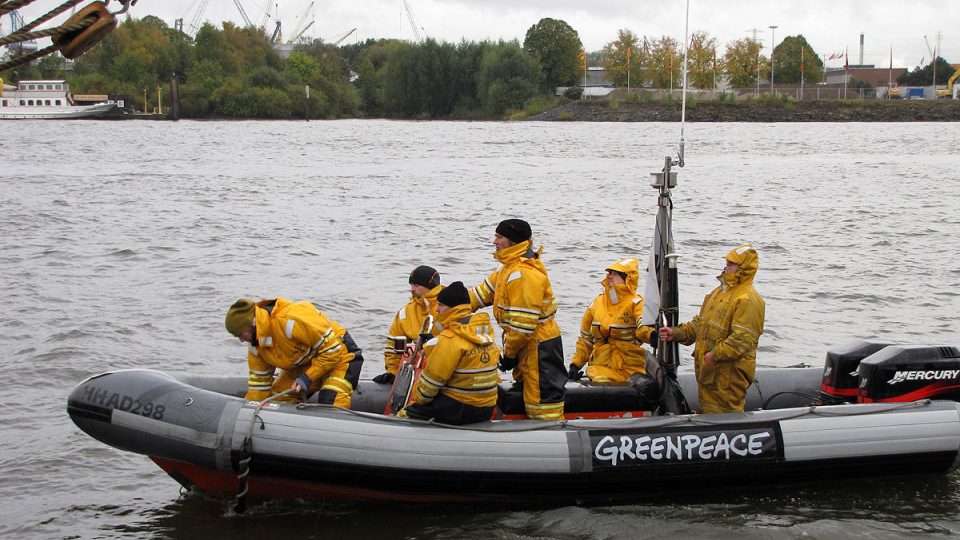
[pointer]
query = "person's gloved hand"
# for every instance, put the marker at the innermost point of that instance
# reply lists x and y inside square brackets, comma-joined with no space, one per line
[654,339]
[508,362]
[402,413]
[575,373]
[385,378]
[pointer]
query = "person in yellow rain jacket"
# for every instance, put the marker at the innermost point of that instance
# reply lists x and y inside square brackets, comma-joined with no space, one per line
[611,338]
[523,305]
[459,383]
[405,328]
[727,332]
[313,353]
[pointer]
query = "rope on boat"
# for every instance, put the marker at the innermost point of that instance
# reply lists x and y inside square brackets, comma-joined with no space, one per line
[80,32]
[244,463]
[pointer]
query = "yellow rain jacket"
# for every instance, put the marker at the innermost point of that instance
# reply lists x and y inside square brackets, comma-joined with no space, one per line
[729,324]
[611,337]
[523,305]
[461,362]
[406,325]
[302,342]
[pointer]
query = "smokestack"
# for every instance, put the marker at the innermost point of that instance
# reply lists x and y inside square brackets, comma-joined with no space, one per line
[861,48]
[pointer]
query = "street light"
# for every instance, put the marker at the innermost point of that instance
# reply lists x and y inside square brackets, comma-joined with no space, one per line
[773,40]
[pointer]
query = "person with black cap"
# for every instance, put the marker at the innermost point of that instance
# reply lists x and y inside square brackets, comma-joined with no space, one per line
[313,353]
[460,380]
[405,328]
[523,305]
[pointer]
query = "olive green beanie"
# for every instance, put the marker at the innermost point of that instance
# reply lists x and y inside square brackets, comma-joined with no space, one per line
[239,316]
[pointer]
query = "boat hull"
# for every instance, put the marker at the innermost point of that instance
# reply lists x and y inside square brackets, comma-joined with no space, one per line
[55,113]
[316,452]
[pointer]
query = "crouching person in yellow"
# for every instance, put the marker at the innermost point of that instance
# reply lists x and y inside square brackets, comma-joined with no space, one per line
[611,338]
[313,353]
[459,383]
[727,332]
[523,305]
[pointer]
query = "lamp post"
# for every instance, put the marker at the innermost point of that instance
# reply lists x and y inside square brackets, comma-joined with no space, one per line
[773,40]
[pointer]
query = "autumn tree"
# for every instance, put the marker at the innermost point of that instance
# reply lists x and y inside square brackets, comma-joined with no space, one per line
[741,60]
[665,60]
[702,61]
[794,55]
[556,46]
[625,51]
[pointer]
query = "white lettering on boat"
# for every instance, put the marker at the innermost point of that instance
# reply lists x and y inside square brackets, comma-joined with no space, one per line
[920,375]
[627,449]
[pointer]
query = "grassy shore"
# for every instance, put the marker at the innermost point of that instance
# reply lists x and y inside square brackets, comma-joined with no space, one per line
[762,110]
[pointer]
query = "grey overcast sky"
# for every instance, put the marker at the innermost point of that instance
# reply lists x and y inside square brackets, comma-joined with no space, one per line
[830,26]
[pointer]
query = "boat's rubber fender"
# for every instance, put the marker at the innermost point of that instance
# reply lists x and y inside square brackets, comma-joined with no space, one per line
[152,413]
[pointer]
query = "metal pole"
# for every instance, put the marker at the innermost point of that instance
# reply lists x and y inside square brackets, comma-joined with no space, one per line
[773,40]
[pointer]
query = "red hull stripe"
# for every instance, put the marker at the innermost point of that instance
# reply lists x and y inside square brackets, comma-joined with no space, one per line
[261,487]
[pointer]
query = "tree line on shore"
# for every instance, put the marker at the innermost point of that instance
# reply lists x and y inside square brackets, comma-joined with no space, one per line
[236,72]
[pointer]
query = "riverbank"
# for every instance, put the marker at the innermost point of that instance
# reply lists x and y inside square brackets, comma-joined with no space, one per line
[756,111]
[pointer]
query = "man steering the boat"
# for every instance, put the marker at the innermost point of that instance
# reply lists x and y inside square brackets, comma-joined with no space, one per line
[405,328]
[459,383]
[523,305]
[313,353]
[727,332]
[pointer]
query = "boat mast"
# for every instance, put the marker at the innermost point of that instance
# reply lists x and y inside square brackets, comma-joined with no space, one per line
[664,260]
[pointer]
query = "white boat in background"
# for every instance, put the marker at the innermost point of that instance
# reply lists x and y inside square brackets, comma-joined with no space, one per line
[46,99]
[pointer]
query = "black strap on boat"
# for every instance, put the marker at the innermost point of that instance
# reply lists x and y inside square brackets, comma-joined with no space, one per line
[240,506]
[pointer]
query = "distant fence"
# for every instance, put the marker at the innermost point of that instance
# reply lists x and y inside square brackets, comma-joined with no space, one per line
[794,92]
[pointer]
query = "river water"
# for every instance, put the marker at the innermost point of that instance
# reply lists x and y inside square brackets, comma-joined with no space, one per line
[123,243]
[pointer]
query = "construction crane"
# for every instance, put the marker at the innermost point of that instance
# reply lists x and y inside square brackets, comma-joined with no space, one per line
[300,28]
[197,17]
[414,24]
[243,13]
[340,39]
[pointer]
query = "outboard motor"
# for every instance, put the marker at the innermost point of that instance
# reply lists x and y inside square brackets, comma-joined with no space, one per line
[909,373]
[840,377]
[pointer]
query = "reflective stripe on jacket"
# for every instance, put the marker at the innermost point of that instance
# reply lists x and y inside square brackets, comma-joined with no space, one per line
[461,362]
[406,325]
[522,298]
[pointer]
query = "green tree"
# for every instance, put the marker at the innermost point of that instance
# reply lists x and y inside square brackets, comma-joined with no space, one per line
[789,55]
[923,76]
[557,47]
[665,59]
[508,77]
[615,59]
[702,61]
[740,62]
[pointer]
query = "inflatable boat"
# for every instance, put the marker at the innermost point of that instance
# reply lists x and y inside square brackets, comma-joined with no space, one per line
[208,438]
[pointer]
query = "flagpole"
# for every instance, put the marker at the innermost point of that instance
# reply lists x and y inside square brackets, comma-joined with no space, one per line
[661,295]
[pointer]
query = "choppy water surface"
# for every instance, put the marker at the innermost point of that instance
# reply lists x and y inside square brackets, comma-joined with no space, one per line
[122,244]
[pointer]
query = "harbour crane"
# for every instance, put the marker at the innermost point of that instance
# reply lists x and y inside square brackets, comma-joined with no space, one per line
[301,28]
[243,13]
[340,39]
[197,17]
[414,24]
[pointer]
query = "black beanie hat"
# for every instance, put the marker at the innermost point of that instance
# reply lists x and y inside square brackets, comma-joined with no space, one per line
[425,277]
[517,230]
[454,294]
